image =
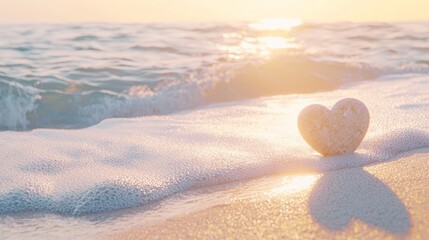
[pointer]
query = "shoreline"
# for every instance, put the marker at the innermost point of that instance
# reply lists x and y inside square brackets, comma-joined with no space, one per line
[387,200]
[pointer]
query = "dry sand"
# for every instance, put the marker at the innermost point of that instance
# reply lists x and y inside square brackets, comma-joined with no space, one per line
[385,201]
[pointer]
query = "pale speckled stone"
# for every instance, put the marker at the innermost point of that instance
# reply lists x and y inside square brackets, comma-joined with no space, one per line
[337,131]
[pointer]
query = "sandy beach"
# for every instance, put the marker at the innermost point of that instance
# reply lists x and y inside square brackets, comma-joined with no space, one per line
[384,201]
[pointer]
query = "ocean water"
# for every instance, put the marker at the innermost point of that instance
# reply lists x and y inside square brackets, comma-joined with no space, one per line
[74,76]
[104,117]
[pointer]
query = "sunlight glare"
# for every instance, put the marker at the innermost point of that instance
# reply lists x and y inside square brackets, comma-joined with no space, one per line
[276,24]
[276,42]
[295,184]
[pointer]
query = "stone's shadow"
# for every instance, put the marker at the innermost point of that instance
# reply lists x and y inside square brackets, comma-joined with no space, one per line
[340,196]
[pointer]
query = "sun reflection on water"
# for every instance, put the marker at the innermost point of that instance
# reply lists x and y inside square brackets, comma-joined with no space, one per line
[277,42]
[262,42]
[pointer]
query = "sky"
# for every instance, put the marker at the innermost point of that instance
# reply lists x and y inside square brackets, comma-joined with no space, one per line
[134,11]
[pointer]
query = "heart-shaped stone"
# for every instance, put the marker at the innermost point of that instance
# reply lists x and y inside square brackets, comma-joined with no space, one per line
[335,132]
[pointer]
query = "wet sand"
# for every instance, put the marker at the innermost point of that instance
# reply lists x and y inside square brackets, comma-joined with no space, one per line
[383,201]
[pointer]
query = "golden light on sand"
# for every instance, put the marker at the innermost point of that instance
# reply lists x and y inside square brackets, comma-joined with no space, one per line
[276,24]
[295,184]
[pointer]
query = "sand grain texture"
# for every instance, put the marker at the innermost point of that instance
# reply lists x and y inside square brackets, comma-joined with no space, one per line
[386,201]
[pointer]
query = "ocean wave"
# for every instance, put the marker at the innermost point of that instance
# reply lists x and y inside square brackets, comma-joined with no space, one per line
[156,49]
[75,76]
[79,106]
[85,38]
[288,75]
[75,109]
[16,103]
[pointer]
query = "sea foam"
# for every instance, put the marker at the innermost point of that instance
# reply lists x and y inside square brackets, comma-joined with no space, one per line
[122,163]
